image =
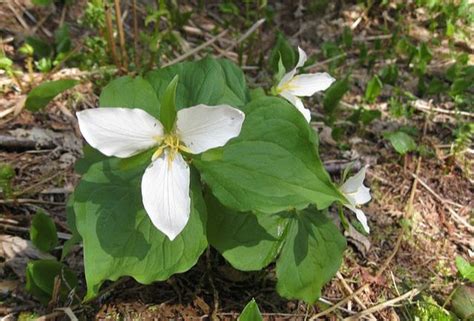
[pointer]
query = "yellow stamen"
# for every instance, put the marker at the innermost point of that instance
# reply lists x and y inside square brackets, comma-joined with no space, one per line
[172,144]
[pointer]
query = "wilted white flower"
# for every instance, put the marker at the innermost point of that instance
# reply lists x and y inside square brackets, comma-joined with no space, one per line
[357,194]
[292,87]
[124,132]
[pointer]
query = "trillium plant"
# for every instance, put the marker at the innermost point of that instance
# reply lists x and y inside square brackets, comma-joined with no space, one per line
[188,157]
[292,86]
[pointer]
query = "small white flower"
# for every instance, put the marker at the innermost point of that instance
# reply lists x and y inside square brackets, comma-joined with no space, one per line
[124,132]
[292,87]
[357,194]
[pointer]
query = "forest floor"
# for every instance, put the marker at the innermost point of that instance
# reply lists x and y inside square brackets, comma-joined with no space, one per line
[419,217]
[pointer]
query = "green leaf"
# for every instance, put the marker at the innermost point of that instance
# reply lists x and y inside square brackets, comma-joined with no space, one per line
[43,232]
[465,268]
[130,92]
[168,105]
[284,51]
[310,257]
[273,164]
[207,81]
[40,277]
[463,302]
[90,157]
[71,222]
[5,63]
[119,238]
[373,90]
[334,94]
[62,39]
[401,141]
[251,312]
[281,71]
[41,48]
[236,92]
[249,242]
[41,95]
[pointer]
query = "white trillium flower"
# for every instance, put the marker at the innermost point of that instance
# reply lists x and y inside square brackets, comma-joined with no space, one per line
[124,132]
[292,87]
[357,194]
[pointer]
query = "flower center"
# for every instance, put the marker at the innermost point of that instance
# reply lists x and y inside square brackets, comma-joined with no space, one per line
[286,86]
[172,144]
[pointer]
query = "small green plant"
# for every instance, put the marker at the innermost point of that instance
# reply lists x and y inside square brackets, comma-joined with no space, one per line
[7,173]
[251,312]
[44,276]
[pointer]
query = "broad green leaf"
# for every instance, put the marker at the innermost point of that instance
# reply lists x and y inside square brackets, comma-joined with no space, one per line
[207,81]
[40,277]
[119,238]
[463,302]
[90,157]
[373,90]
[168,105]
[41,95]
[282,49]
[251,312]
[43,232]
[465,268]
[71,222]
[130,92]
[249,242]
[334,94]
[236,93]
[310,257]
[272,166]
[401,141]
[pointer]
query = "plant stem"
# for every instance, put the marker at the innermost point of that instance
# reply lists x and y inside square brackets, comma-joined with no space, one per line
[110,36]
[135,34]
[118,17]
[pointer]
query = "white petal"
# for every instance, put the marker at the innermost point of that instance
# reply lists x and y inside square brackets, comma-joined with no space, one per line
[120,132]
[308,84]
[360,217]
[354,189]
[165,194]
[289,75]
[204,127]
[298,104]
[301,58]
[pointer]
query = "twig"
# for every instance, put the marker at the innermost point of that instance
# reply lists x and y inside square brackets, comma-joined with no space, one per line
[18,144]
[425,107]
[410,294]
[29,188]
[456,216]
[30,201]
[365,286]
[118,17]
[247,34]
[197,49]
[17,16]
[356,298]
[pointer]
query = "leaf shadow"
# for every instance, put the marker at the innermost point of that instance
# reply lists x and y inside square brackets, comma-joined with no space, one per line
[119,209]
